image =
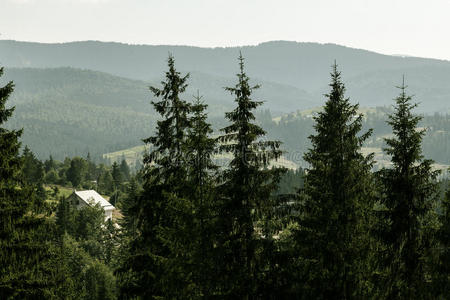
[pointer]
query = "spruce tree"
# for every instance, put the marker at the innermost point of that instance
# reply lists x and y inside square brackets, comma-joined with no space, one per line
[105,182]
[334,203]
[64,217]
[441,271]
[125,169]
[33,169]
[77,171]
[246,189]
[24,242]
[162,210]
[49,164]
[33,173]
[117,175]
[127,278]
[201,181]
[409,192]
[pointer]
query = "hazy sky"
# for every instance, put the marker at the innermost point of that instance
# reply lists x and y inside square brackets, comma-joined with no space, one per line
[413,27]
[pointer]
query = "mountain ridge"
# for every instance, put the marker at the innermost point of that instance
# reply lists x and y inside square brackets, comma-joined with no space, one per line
[303,65]
[100,82]
[229,47]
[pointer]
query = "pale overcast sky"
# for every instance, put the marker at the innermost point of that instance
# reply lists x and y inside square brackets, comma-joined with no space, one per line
[413,27]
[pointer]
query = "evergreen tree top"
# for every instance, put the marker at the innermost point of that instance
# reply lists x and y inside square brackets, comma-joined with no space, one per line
[199,128]
[171,129]
[242,136]
[405,147]
[172,87]
[199,140]
[243,112]
[10,162]
[5,91]
[337,125]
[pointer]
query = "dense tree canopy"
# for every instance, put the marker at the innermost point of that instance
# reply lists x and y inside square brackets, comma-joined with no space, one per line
[409,192]
[185,228]
[245,192]
[25,271]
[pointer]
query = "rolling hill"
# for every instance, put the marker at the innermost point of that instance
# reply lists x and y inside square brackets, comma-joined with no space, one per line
[81,97]
[68,111]
[370,77]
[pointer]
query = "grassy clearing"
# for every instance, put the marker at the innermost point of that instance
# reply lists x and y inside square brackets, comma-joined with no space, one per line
[55,191]
[130,154]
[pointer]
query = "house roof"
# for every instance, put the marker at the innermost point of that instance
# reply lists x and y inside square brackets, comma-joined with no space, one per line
[91,196]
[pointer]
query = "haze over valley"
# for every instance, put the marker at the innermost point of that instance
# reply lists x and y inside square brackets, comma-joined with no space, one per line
[80,97]
[211,149]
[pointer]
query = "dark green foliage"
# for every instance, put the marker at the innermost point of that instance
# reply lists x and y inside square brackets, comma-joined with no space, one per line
[81,275]
[291,182]
[117,175]
[88,228]
[33,169]
[245,194]
[49,164]
[162,211]
[75,174]
[128,256]
[105,183]
[24,231]
[335,204]
[125,170]
[64,216]
[191,230]
[409,192]
[88,246]
[201,182]
[441,270]
[110,242]
[33,173]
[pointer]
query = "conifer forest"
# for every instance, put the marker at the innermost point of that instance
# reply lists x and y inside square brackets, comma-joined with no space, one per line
[208,213]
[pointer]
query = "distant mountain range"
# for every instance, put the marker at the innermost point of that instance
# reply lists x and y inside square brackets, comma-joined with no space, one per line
[301,68]
[93,96]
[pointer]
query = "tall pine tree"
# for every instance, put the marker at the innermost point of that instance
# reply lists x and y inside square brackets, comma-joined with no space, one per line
[161,211]
[24,243]
[335,203]
[409,192]
[202,175]
[246,189]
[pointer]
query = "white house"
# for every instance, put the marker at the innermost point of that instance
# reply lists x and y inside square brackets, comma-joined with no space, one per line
[91,197]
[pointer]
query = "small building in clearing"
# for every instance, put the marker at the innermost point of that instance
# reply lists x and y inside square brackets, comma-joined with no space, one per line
[91,197]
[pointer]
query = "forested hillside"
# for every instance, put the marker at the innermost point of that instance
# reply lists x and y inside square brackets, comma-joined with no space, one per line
[300,65]
[293,130]
[68,111]
[289,127]
[188,228]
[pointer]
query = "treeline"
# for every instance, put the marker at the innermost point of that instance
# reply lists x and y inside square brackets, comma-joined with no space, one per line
[68,111]
[293,130]
[192,230]
[76,173]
